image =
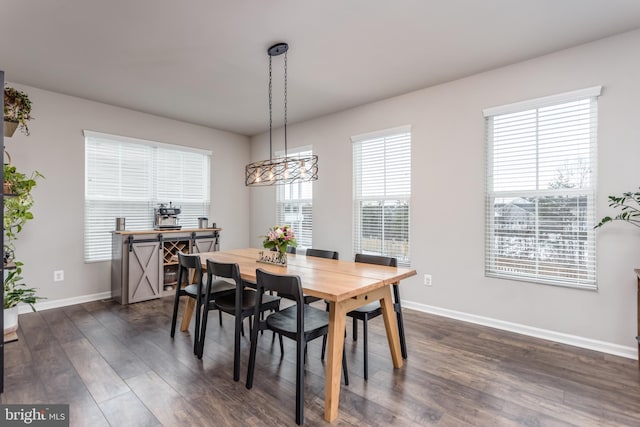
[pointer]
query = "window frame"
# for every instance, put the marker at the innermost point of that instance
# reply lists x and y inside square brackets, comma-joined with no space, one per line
[304,237]
[116,200]
[587,191]
[388,197]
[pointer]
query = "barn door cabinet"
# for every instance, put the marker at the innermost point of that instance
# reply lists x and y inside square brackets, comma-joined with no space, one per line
[144,264]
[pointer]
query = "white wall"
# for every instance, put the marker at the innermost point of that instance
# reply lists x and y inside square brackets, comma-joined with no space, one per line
[54,239]
[447,229]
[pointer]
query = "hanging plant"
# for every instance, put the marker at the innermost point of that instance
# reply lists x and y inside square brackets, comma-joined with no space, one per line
[17,207]
[17,111]
[17,211]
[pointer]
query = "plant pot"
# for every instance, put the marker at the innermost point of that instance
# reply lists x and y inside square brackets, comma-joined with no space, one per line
[10,320]
[9,128]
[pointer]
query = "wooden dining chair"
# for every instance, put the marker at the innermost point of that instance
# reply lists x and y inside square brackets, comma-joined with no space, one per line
[299,322]
[196,290]
[372,310]
[241,304]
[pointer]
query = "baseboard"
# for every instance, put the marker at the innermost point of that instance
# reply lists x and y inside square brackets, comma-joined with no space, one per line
[49,304]
[588,343]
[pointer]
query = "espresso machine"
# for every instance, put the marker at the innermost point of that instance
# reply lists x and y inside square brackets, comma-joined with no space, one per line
[166,218]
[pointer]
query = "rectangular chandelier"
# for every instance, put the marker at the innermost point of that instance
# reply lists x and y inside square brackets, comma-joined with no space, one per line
[282,170]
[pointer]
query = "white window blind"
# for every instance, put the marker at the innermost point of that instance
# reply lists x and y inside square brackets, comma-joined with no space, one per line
[382,193]
[294,206]
[127,177]
[541,187]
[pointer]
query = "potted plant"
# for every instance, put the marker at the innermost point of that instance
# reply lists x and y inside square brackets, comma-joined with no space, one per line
[629,204]
[277,239]
[16,292]
[17,211]
[17,111]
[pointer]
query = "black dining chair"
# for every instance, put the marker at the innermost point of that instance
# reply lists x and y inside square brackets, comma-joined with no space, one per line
[241,304]
[197,291]
[372,310]
[290,250]
[299,322]
[319,253]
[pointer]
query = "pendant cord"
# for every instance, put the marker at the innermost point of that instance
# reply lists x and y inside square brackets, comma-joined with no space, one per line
[285,105]
[270,113]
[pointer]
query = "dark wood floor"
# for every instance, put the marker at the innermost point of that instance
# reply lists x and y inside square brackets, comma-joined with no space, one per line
[116,365]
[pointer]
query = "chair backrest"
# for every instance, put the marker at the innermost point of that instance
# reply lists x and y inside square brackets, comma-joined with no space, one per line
[224,270]
[377,260]
[185,262]
[290,249]
[381,260]
[286,286]
[321,253]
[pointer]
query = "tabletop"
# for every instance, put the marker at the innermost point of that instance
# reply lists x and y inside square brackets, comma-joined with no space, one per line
[333,280]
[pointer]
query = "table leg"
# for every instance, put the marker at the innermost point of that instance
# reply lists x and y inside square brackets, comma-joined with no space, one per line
[187,315]
[191,304]
[391,325]
[337,318]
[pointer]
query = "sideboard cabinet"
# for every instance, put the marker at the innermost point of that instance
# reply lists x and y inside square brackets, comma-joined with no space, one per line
[144,264]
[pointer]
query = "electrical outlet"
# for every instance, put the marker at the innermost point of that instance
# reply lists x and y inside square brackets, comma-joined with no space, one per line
[427,280]
[58,275]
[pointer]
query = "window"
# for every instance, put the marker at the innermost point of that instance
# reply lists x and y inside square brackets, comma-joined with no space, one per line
[382,193]
[294,206]
[127,177]
[541,190]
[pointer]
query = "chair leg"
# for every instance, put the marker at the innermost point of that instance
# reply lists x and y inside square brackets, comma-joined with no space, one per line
[355,329]
[324,347]
[252,356]
[203,331]
[397,307]
[403,340]
[220,316]
[327,307]
[236,347]
[175,313]
[345,370]
[300,382]
[196,334]
[365,334]
[281,346]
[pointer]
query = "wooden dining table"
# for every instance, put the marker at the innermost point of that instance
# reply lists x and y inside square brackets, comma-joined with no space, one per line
[346,285]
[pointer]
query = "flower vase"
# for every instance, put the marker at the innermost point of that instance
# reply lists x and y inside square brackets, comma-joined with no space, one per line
[282,257]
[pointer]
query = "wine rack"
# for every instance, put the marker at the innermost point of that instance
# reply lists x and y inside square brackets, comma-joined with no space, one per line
[171,249]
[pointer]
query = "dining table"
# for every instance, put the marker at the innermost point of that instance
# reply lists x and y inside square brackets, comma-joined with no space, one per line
[345,285]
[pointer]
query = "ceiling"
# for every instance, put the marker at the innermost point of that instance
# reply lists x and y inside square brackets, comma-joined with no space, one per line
[205,61]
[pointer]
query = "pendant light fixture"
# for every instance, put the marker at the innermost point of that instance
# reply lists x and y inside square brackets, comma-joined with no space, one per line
[280,170]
